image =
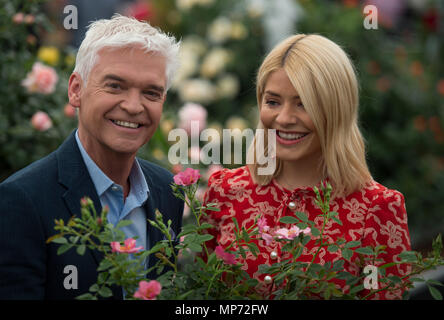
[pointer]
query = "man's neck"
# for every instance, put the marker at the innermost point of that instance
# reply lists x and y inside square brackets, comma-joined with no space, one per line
[116,166]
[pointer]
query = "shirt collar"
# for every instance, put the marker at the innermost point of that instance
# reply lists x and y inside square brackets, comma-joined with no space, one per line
[102,182]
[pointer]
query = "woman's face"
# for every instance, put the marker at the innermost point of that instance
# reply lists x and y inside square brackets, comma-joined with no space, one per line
[282,109]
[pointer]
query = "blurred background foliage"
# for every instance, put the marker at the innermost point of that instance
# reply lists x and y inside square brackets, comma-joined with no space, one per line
[399,66]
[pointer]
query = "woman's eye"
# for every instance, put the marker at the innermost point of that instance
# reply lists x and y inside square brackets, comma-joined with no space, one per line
[271,103]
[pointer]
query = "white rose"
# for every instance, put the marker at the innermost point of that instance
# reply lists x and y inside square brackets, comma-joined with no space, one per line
[197,90]
[214,62]
[219,30]
[227,86]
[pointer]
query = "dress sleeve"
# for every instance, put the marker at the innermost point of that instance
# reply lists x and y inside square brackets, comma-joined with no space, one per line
[386,224]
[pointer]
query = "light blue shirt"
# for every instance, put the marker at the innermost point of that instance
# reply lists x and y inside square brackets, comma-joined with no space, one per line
[111,194]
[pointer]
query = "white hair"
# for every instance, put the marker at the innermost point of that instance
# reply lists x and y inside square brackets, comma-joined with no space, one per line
[120,32]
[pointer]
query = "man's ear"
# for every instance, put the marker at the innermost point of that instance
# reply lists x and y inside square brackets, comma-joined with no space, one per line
[74,89]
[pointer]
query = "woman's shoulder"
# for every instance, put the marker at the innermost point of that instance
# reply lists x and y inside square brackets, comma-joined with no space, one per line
[374,192]
[229,176]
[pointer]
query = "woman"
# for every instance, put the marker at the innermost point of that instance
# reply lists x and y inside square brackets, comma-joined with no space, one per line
[308,92]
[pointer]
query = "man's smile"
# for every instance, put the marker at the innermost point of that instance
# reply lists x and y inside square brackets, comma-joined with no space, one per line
[127,124]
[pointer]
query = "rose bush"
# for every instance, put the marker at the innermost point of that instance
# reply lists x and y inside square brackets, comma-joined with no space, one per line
[218,275]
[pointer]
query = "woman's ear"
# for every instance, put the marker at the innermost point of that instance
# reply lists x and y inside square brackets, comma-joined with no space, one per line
[74,89]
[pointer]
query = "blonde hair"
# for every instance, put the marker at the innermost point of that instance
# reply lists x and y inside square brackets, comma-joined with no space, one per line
[325,80]
[120,32]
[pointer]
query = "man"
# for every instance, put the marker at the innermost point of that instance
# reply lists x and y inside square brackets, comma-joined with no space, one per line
[123,70]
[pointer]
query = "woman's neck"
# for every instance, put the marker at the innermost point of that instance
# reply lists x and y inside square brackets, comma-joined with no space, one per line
[299,174]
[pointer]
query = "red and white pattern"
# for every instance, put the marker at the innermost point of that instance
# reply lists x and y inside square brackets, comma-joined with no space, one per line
[374,215]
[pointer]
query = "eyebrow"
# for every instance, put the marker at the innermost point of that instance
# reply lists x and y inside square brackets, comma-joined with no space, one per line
[271,93]
[114,77]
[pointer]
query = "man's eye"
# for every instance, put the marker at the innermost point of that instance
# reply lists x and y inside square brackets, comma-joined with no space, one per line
[152,95]
[113,85]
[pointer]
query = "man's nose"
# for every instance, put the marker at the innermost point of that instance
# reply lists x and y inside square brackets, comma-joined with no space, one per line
[133,102]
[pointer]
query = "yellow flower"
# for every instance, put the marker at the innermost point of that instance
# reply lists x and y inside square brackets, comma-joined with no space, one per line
[70,60]
[49,55]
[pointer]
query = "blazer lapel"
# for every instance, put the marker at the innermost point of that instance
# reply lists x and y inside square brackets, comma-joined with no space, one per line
[74,175]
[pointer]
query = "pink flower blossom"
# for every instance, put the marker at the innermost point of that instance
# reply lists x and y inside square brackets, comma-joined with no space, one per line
[192,114]
[187,177]
[291,233]
[262,224]
[227,257]
[268,238]
[18,18]
[148,290]
[41,121]
[264,230]
[41,79]
[129,247]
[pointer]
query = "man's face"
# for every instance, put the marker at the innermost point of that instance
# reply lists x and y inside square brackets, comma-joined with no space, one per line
[121,105]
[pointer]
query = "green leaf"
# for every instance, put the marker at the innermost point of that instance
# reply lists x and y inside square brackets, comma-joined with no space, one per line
[94,288]
[288,219]
[357,289]
[204,237]
[104,264]
[301,215]
[194,247]
[123,223]
[332,248]
[105,292]
[212,208]
[60,240]
[434,292]
[365,250]
[86,296]
[408,256]
[81,249]
[315,232]
[64,248]
[352,244]
[337,220]
[434,282]
[347,253]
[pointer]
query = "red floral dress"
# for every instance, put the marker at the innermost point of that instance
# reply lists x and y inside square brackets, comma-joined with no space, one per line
[374,215]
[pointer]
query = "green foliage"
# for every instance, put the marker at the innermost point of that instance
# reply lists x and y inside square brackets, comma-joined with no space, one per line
[217,275]
[20,143]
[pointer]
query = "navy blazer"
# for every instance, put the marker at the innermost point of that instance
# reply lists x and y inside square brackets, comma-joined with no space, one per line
[49,189]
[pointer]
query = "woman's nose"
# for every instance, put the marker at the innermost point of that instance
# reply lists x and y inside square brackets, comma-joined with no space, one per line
[287,115]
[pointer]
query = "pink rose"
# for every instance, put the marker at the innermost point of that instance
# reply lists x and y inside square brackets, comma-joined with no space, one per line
[129,247]
[262,224]
[268,238]
[187,177]
[291,233]
[192,114]
[41,121]
[148,290]
[18,18]
[227,257]
[41,79]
